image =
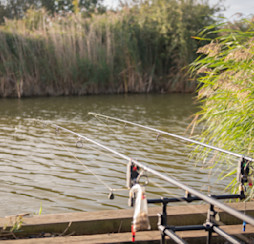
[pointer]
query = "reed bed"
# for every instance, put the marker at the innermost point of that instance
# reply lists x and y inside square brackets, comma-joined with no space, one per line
[142,48]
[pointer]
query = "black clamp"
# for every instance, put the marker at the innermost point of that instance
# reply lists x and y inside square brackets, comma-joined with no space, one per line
[243,174]
[245,170]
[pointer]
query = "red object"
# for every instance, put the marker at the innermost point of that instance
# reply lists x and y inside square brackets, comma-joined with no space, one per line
[250,182]
[133,233]
[134,168]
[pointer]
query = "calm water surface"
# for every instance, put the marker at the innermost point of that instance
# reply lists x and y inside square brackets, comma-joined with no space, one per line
[40,167]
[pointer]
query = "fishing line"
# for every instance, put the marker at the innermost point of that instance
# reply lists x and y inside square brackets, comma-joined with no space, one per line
[100,152]
[79,140]
[48,123]
[145,156]
[110,156]
[135,148]
[102,120]
[159,135]
[74,156]
[153,182]
[176,136]
[163,188]
[106,154]
[87,168]
[170,134]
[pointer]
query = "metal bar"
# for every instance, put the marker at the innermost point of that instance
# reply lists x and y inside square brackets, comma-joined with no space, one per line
[210,222]
[162,238]
[225,235]
[188,227]
[209,237]
[228,196]
[172,235]
[174,135]
[194,192]
[163,221]
[164,214]
[191,199]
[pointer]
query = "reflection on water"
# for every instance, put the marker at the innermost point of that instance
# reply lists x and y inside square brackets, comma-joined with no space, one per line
[42,167]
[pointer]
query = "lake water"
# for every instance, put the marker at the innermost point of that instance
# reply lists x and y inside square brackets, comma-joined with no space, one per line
[40,167]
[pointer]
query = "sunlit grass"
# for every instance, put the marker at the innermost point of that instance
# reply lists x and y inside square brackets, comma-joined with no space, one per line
[226,91]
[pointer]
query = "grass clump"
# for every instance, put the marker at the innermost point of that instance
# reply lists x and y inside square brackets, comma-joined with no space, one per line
[226,92]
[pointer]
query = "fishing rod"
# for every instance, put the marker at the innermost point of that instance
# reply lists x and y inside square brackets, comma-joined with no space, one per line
[171,180]
[173,135]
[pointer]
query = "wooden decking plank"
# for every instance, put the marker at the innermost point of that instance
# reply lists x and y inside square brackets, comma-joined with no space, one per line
[142,237]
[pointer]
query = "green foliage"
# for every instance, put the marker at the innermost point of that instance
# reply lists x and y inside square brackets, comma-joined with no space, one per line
[139,49]
[14,226]
[226,91]
[39,211]
[16,9]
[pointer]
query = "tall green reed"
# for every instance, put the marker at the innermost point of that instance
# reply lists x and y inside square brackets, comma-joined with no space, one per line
[226,93]
[136,49]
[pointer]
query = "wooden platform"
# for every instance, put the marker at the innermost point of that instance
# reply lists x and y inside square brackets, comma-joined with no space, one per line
[114,226]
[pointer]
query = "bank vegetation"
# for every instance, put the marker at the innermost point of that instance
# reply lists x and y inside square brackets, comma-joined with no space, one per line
[139,48]
[226,92]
